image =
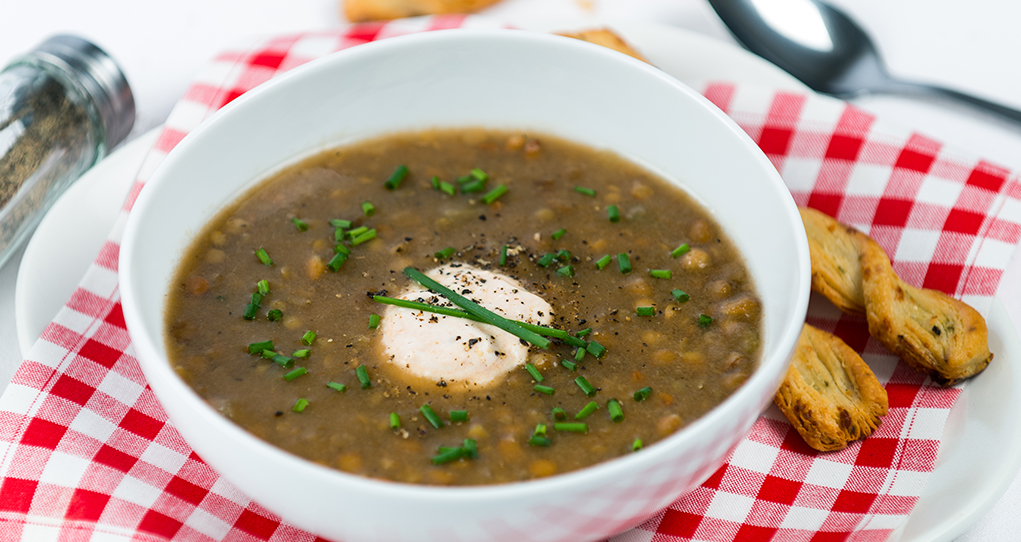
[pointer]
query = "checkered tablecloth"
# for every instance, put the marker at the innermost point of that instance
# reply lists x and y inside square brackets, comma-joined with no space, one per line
[87,453]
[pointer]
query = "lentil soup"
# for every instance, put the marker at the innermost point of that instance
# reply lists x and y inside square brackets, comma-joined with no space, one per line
[275,317]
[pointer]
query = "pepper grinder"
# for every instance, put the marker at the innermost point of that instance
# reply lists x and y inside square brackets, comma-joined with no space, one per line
[63,106]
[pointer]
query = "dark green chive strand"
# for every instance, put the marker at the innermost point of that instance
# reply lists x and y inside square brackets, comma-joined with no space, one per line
[295,373]
[373,321]
[395,421]
[445,253]
[643,393]
[616,412]
[680,296]
[645,311]
[546,259]
[368,208]
[459,416]
[704,320]
[558,234]
[534,372]
[430,415]
[587,410]
[336,386]
[613,213]
[300,224]
[571,427]
[494,194]
[274,314]
[337,261]
[396,177]
[604,261]
[586,388]
[660,273]
[544,389]
[587,191]
[624,262]
[680,251]
[300,405]
[309,337]
[257,348]
[263,256]
[363,377]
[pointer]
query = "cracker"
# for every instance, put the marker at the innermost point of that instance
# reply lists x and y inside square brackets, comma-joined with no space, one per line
[606,38]
[376,10]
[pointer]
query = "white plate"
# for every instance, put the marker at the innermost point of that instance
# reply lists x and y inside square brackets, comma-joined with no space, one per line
[981,450]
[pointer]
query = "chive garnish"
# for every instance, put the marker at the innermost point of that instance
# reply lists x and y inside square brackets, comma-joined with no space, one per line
[613,213]
[350,234]
[538,441]
[263,286]
[546,259]
[368,208]
[338,235]
[587,410]
[534,372]
[282,360]
[274,314]
[616,412]
[494,194]
[430,415]
[636,445]
[645,311]
[396,177]
[373,321]
[300,405]
[295,373]
[571,340]
[586,191]
[569,364]
[268,353]
[563,255]
[250,311]
[445,253]
[395,421]
[558,234]
[458,415]
[475,309]
[643,393]
[566,271]
[336,261]
[503,255]
[680,296]
[464,179]
[363,237]
[474,185]
[341,249]
[363,376]
[596,349]
[679,251]
[447,455]
[579,354]
[583,332]
[257,348]
[342,224]
[544,389]
[479,174]
[573,427]
[559,414]
[336,386]
[586,388]
[303,353]
[470,448]
[435,182]
[624,262]
[256,299]
[604,261]
[309,337]
[660,273]
[300,224]
[447,188]
[704,320]
[263,256]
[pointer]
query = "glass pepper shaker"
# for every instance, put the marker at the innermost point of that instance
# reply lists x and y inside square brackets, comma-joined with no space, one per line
[63,106]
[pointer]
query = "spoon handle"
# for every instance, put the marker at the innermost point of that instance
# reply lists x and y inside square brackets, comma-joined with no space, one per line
[917,89]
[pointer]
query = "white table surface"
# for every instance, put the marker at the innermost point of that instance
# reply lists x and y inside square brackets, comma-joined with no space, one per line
[970,46]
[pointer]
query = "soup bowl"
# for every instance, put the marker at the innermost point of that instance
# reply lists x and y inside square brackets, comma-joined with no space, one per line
[460,78]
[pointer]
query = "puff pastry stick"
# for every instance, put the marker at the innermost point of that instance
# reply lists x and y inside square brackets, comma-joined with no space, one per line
[931,331]
[606,38]
[358,11]
[829,394]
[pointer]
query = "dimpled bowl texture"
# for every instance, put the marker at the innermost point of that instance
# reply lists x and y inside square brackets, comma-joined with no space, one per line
[501,79]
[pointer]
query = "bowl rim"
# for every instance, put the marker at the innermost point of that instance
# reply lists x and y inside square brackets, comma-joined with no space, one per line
[152,356]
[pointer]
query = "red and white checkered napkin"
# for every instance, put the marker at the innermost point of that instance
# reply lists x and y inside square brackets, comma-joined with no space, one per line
[86,450]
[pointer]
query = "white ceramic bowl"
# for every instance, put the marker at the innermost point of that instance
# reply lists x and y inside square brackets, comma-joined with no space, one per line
[503,79]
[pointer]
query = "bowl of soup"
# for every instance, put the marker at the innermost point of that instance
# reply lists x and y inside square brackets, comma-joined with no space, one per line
[465,285]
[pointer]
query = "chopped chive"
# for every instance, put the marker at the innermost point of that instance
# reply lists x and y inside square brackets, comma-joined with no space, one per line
[604,261]
[566,271]
[336,386]
[445,253]
[704,320]
[573,427]
[569,364]
[559,414]
[338,235]
[341,249]
[257,348]
[373,321]
[544,389]
[295,373]
[679,251]
[473,186]
[342,224]
[363,237]
[636,445]
[274,314]
[263,286]
[538,441]
[479,174]
[613,213]
[616,412]
[478,311]
[303,353]
[596,349]
[546,259]
[534,372]
[363,376]
[558,234]
[503,255]
[645,311]
[587,410]
[448,455]
[435,182]
[579,354]
[447,188]
[336,261]
[309,337]
[465,179]
[586,388]
[300,405]
[470,448]
[350,234]
[571,340]
[283,361]
[680,296]
[256,299]
[660,273]
[583,332]
[563,255]
[368,208]
[263,256]
[395,421]
[586,191]
[624,262]
[396,177]
[643,393]
[250,311]
[430,415]
[300,224]
[268,353]
[494,194]
[458,415]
